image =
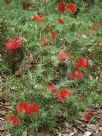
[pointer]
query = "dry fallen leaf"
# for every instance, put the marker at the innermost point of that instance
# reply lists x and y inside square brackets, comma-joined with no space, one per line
[87,133]
[72,134]
[7,134]
[100,128]
[24,133]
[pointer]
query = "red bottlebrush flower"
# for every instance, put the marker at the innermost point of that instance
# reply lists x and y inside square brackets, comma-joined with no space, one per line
[13,119]
[64,56]
[20,107]
[63,93]
[95,26]
[73,75]
[81,63]
[71,7]
[88,116]
[38,18]
[14,44]
[52,87]
[61,7]
[26,6]
[60,21]
[91,113]
[27,107]
[34,108]
[23,107]
[54,34]
[80,75]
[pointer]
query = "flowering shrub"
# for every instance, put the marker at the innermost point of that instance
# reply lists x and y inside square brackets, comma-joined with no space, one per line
[65,78]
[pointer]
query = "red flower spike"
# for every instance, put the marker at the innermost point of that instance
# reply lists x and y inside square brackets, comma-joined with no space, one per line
[54,34]
[91,113]
[14,44]
[38,18]
[73,75]
[95,26]
[60,21]
[23,107]
[80,75]
[71,7]
[20,107]
[34,108]
[64,56]
[13,119]
[63,93]
[61,7]
[81,63]
[27,108]
[88,116]
[52,87]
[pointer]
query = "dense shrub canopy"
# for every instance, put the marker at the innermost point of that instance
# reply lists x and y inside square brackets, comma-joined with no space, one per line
[51,54]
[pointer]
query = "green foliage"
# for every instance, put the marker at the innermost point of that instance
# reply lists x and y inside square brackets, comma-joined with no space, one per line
[76,36]
[3,33]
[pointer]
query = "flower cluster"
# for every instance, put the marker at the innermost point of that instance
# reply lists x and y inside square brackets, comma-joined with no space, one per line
[61,94]
[38,17]
[71,7]
[25,107]
[80,63]
[78,75]
[28,108]
[68,7]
